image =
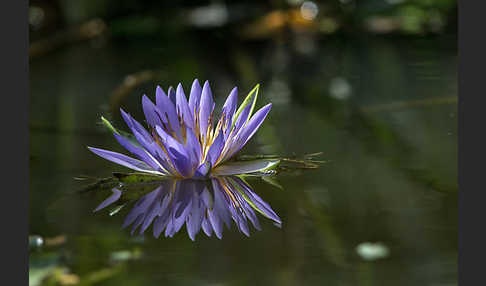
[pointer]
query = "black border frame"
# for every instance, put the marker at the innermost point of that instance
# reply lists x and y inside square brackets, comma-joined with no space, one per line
[471,49]
[14,29]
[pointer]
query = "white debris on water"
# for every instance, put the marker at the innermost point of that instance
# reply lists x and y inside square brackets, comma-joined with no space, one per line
[372,251]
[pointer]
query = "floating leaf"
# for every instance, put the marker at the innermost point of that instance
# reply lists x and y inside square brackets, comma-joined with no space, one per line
[137,177]
[245,167]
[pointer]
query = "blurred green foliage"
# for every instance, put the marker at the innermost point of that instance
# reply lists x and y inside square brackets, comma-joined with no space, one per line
[133,18]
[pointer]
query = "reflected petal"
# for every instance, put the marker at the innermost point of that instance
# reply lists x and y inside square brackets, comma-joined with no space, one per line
[111,199]
[200,204]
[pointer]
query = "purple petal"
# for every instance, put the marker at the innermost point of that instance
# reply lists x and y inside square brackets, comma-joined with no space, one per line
[216,223]
[171,94]
[193,147]
[111,199]
[167,111]
[248,130]
[241,222]
[229,109]
[183,107]
[134,125]
[206,226]
[220,205]
[206,197]
[169,141]
[215,149]
[146,141]
[149,111]
[141,153]
[194,219]
[202,170]
[181,162]
[195,96]
[181,207]
[259,203]
[137,211]
[123,160]
[159,224]
[250,214]
[177,153]
[153,209]
[137,223]
[206,108]
[242,119]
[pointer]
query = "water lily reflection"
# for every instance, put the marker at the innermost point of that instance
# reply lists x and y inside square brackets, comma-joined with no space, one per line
[200,204]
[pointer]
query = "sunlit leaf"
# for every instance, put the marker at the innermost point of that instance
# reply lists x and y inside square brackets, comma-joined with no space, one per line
[119,132]
[250,99]
[245,167]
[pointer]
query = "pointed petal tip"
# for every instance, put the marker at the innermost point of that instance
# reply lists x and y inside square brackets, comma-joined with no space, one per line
[234,92]
[124,113]
[180,90]
[159,91]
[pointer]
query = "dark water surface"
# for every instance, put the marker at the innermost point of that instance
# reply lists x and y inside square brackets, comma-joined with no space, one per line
[383,111]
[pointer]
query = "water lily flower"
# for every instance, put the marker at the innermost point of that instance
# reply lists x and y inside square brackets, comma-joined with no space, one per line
[183,137]
[200,204]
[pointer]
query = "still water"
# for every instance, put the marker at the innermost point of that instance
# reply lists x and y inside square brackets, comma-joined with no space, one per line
[382,111]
